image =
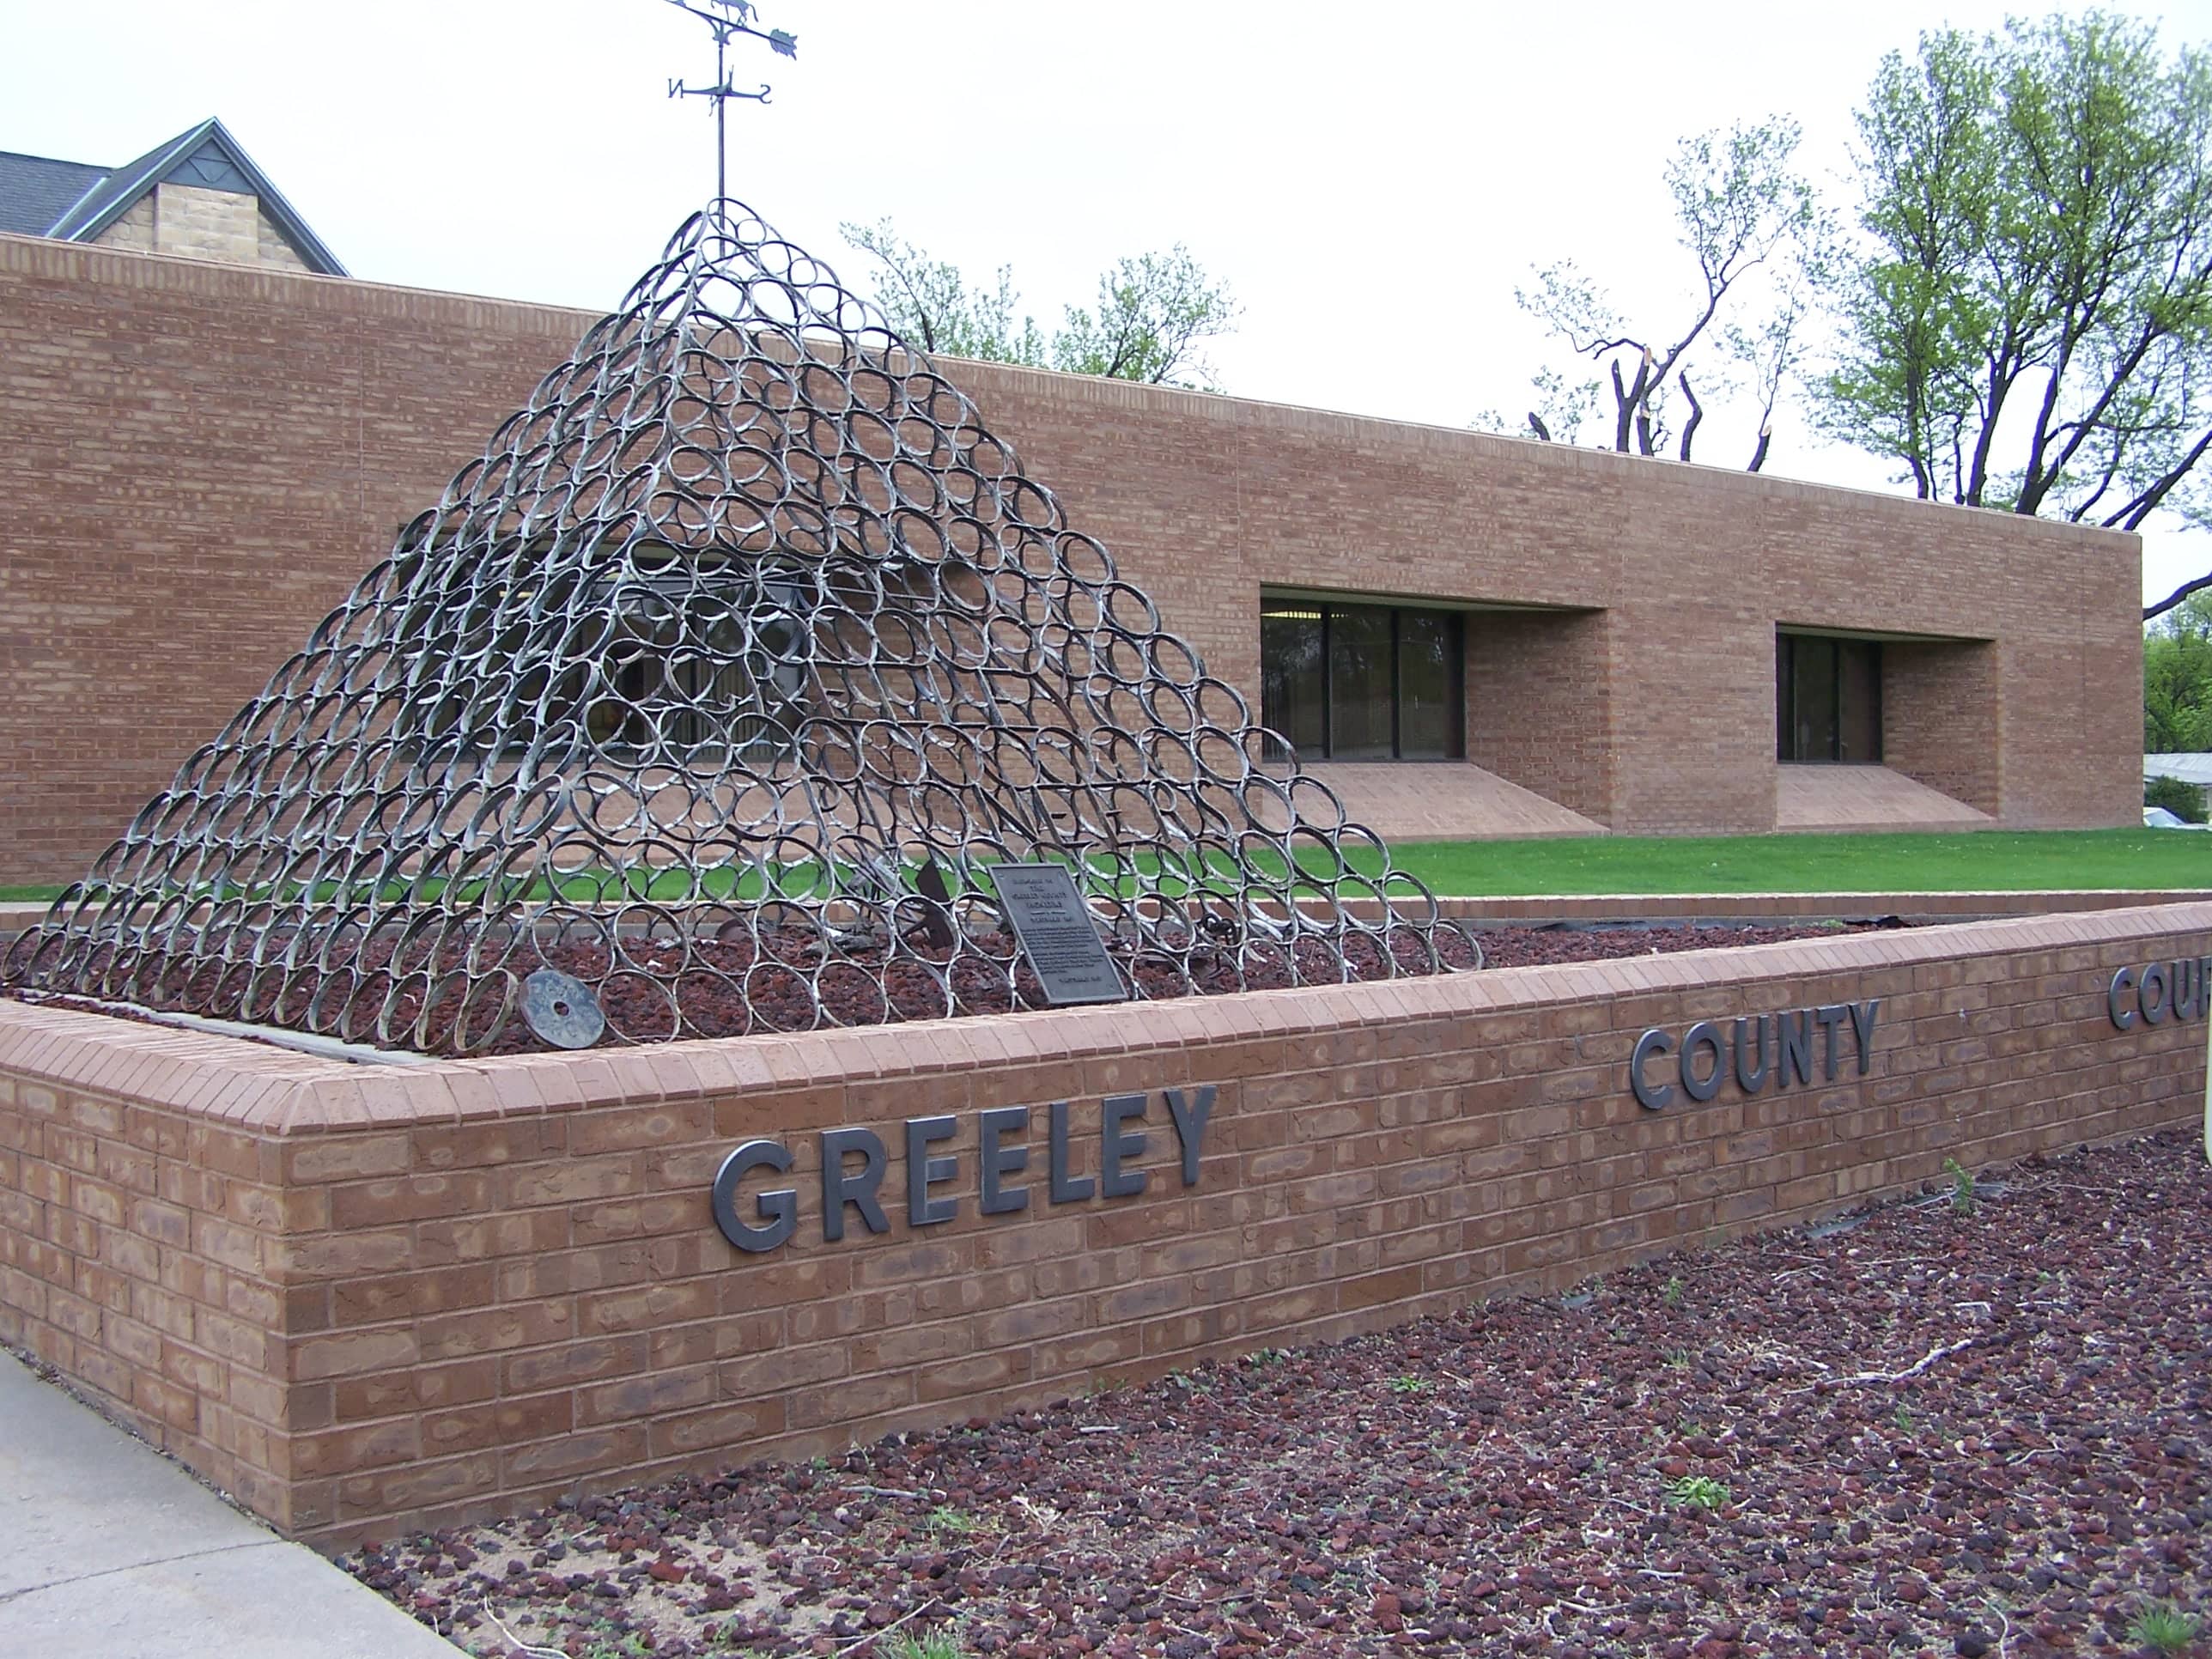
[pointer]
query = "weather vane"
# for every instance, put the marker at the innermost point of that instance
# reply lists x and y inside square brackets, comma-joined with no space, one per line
[729,17]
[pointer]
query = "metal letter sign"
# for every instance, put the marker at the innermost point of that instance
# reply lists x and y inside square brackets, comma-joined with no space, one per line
[1057,934]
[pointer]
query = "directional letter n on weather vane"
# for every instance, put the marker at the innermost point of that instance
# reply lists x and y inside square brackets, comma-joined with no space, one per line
[726,18]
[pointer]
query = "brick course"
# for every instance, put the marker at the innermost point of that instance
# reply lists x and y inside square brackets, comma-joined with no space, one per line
[204,457]
[369,1298]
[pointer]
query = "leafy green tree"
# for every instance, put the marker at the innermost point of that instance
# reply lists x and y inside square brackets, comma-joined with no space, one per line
[1153,312]
[2185,800]
[1754,231]
[930,303]
[2026,322]
[2178,679]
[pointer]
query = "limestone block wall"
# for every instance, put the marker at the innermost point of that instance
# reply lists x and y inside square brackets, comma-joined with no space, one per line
[194,222]
[373,1298]
[138,231]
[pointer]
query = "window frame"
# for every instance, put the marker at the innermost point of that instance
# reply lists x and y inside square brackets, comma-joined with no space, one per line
[1786,680]
[1455,739]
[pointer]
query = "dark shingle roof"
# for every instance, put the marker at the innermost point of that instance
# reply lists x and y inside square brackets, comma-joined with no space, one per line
[35,190]
[205,155]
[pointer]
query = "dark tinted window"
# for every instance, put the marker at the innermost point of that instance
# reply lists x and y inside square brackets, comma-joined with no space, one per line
[1828,699]
[1429,696]
[1363,682]
[1359,675]
[1858,696]
[1814,686]
[1291,679]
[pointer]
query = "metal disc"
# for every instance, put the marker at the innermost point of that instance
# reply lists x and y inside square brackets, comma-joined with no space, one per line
[562,1010]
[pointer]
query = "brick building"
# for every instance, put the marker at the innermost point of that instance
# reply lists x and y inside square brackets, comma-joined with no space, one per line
[1468,635]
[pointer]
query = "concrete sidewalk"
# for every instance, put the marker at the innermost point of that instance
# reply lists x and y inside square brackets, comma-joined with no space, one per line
[109,1551]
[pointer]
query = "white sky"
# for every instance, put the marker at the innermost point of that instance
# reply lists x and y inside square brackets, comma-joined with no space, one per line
[1370,182]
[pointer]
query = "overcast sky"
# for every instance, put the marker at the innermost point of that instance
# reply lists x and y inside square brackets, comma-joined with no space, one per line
[1371,181]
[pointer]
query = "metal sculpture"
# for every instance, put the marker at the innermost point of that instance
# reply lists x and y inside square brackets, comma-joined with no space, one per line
[705,702]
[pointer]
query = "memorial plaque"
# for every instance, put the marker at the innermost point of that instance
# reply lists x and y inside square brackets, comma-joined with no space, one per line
[1056,931]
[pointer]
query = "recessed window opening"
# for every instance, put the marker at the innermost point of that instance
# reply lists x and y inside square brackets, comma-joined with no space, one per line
[1362,681]
[703,662]
[699,683]
[1827,700]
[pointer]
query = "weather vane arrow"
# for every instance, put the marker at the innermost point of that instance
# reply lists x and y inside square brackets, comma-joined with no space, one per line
[726,19]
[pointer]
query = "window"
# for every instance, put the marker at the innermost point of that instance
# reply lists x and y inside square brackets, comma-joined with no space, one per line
[699,676]
[1363,682]
[702,660]
[1827,700]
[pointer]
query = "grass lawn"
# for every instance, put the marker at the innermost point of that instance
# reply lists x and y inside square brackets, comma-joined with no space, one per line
[1999,860]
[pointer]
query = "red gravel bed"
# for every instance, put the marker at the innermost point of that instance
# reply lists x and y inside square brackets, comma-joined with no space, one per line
[654,991]
[1530,947]
[1924,1431]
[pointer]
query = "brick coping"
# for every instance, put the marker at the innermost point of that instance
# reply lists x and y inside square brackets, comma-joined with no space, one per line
[1977,903]
[270,1090]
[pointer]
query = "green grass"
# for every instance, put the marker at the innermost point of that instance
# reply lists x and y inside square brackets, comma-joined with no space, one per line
[1697,1492]
[935,1645]
[2000,860]
[2165,1626]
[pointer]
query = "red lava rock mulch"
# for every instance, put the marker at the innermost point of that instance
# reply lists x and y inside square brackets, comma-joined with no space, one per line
[658,990]
[1918,1430]
[1530,947]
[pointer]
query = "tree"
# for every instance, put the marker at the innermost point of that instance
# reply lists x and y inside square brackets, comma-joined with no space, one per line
[1754,232]
[2025,325]
[1152,312]
[2178,679]
[930,303]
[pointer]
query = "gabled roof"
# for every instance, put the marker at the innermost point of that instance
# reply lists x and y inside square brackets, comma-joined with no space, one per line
[35,190]
[206,155]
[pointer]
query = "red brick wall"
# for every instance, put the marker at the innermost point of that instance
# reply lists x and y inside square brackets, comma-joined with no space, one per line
[1539,704]
[389,1296]
[202,459]
[1943,719]
[139,1252]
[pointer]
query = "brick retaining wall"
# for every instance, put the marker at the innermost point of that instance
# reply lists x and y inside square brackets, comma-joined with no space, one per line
[1777,909]
[367,1298]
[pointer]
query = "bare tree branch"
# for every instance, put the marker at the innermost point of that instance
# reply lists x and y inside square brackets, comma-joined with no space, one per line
[2132,516]
[2198,585]
[1740,208]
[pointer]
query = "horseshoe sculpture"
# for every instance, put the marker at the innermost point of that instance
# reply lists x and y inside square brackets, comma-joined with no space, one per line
[714,688]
